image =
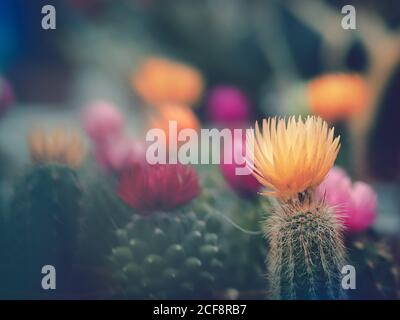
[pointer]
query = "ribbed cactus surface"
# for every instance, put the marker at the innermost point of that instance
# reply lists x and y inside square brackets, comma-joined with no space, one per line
[246,249]
[44,224]
[306,253]
[102,212]
[168,255]
[242,240]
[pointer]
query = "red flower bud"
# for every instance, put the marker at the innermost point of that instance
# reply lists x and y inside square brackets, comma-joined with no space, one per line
[158,187]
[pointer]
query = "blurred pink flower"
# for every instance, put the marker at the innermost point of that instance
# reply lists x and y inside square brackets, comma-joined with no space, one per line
[228,104]
[102,121]
[245,185]
[355,204]
[119,153]
[6,95]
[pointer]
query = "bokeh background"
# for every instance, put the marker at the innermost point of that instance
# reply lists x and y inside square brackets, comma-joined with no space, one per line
[267,52]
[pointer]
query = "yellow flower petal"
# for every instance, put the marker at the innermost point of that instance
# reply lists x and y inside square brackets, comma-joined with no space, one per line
[56,147]
[290,156]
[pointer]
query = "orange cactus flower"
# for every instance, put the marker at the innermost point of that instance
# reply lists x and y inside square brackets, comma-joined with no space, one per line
[337,96]
[161,81]
[58,147]
[185,118]
[290,157]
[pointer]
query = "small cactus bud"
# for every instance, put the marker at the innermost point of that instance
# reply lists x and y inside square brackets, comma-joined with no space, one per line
[207,252]
[175,253]
[153,262]
[192,264]
[122,254]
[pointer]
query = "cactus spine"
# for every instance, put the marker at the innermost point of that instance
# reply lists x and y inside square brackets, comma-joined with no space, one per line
[306,252]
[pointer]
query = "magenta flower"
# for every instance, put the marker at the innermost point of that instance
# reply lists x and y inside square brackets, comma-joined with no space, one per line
[355,204]
[227,105]
[102,121]
[148,188]
[244,185]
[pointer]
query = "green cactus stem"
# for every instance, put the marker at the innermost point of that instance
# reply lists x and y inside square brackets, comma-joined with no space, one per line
[168,255]
[246,249]
[306,252]
[242,240]
[44,225]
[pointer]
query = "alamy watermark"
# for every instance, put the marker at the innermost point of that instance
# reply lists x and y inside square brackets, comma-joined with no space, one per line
[349,20]
[49,18]
[188,146]
[49,280]
[349,277]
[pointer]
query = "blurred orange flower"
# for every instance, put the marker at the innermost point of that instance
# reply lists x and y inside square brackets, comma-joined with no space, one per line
[337,96]
[184,117]
[160,81]
[58,146]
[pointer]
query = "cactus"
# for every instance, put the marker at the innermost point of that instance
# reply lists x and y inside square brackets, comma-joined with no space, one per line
[168,255]
[306,253]
[377,276]
[245,248]
[44,224]
[102,213]
[169,249]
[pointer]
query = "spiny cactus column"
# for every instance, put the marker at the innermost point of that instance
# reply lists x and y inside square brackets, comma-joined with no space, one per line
[290,158]
[306,253]
[168,256]
[44,225]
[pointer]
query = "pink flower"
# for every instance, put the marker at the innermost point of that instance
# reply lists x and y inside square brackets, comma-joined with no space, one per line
[119,153]
[6,95]
[227,105]
[158,187]
[245,185]
[102,121]
[355,204]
